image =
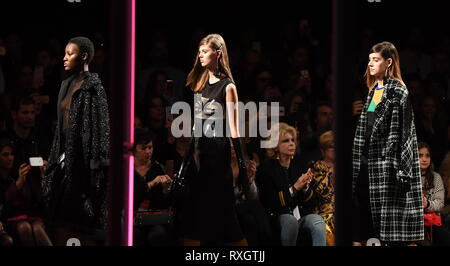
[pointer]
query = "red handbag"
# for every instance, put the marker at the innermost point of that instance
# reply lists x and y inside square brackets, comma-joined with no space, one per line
[431,219]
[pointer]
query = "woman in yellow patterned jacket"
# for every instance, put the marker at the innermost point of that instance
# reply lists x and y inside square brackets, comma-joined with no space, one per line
[319,196]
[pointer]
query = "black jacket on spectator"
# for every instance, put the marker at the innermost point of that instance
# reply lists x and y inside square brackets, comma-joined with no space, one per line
[77,195]
[274,186]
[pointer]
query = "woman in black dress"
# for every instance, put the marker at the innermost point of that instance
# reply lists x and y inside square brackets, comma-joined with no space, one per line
[208,215]
[75,184]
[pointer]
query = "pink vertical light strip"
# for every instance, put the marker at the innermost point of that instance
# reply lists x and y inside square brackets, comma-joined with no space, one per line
[130,217]
[130,209]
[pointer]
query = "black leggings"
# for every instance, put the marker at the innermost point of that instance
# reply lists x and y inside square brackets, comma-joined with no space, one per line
[363,224]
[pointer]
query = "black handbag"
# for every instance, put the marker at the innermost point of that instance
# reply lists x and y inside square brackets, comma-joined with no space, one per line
[149,217]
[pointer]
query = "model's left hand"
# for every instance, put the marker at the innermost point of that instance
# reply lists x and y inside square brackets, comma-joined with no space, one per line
[43,168]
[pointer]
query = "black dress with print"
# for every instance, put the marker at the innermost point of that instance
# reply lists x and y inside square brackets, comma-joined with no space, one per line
[209,214]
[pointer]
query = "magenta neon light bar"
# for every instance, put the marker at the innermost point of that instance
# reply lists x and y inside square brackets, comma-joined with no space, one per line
[130,182]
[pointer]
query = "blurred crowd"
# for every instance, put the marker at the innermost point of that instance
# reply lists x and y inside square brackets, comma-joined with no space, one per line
[292,68]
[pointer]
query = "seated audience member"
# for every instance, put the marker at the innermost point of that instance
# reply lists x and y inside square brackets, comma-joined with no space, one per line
[444,170]
[150,190]
[281,184]
[20,194]
[27,142]
[319,197]
[433,197]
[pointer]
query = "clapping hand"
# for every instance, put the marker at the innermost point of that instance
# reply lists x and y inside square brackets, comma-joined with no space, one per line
[164,180]
[303,180]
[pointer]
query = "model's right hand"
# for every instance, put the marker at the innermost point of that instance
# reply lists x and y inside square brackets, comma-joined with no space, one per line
[357,107]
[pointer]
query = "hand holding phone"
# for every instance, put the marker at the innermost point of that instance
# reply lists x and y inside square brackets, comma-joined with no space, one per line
[36,161]
[24,169]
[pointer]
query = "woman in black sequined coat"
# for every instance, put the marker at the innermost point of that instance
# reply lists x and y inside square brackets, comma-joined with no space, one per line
[76,180]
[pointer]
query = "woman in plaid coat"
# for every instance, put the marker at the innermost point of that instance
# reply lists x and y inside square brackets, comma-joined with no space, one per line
[387,191]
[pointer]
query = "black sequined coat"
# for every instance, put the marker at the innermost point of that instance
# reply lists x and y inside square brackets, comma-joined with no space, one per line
[77,194]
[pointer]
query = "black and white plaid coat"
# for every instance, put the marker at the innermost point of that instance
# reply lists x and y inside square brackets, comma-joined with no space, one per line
[393,164]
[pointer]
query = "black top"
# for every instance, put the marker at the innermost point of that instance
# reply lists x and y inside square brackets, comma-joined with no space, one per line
[158,200]
[274,182]
[209,101]
[370,121]
[64,105]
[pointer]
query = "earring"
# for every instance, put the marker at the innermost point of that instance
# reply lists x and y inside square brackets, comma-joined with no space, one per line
[217,73]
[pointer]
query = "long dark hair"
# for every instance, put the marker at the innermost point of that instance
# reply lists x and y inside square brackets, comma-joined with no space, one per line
[429,176]
[198,77]
[4,142]
[387,50]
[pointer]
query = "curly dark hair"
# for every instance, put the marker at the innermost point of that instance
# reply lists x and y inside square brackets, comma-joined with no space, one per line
[85,45]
